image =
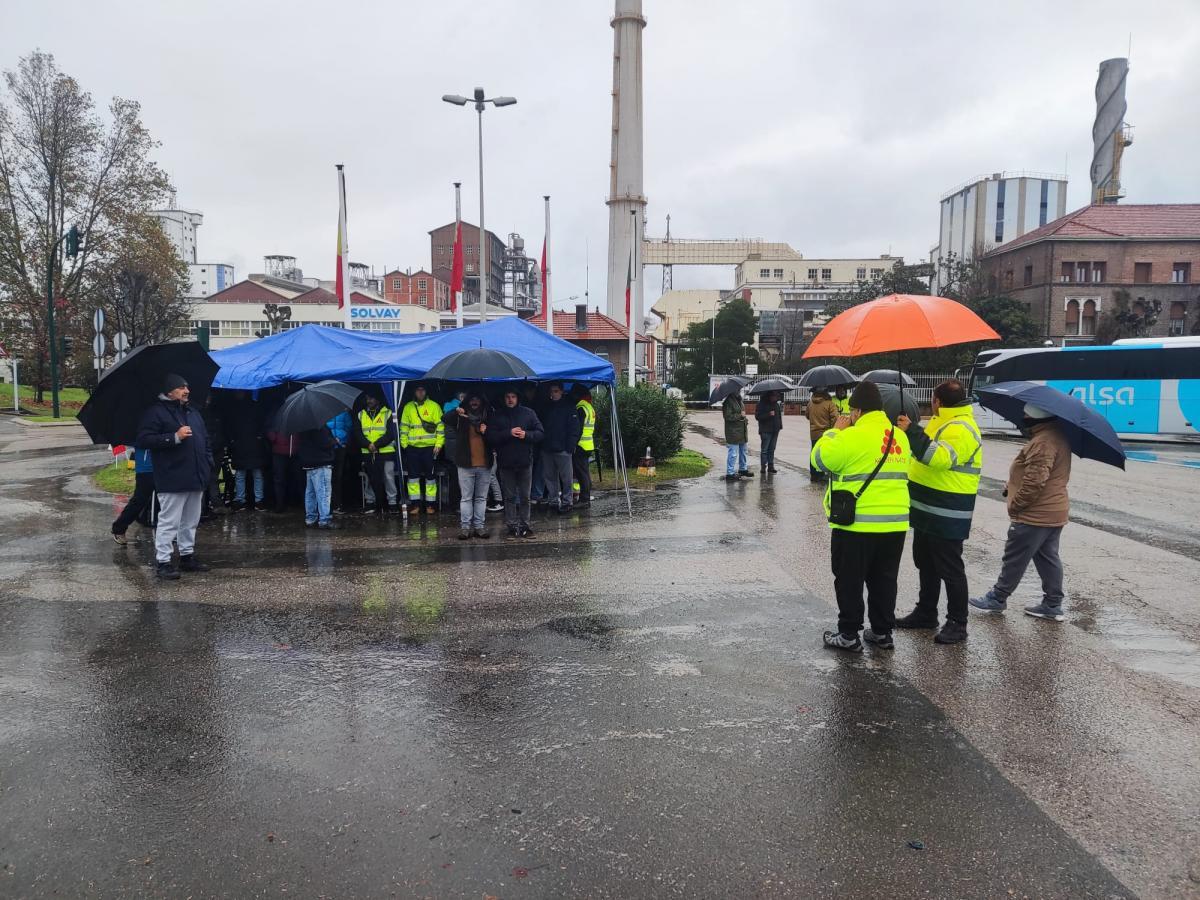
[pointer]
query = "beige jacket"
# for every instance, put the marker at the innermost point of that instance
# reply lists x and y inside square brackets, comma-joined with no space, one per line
[1037,480]
[822,413]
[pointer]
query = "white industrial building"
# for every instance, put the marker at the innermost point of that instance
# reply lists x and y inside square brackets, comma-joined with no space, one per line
[180,225]
[991,210]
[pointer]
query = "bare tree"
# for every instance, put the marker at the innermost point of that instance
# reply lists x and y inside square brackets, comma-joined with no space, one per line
[61,165]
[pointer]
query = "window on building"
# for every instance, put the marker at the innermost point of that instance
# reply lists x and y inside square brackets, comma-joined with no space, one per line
[1067,269]
[764,273]
[1087,318]
[397,284]
[812,274]
[1027,279]
[877,273]
[1181,273]
[424,299]
[1044,204]
[422,284]
[860,274]
[1081,272]
[777,273]
[1072,317]
[1142,272]
[468,251]
[1099,270]
[1008,279]
[469,267]
[1175,324]
[1000,211]
[827,274]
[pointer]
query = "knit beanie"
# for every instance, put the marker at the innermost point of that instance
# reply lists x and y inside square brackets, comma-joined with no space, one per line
[173,381]
[866,397]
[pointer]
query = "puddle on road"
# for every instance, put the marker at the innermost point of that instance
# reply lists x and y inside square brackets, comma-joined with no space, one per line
[1144,646]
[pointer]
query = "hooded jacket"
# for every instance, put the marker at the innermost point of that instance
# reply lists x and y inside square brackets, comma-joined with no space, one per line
[180,465]
[511,452]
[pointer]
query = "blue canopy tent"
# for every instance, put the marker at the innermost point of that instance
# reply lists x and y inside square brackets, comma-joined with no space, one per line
[316,352]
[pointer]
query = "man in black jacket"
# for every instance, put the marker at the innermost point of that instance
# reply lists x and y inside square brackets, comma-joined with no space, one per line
[561,428]
[178,443]
[315,451]
[515,432]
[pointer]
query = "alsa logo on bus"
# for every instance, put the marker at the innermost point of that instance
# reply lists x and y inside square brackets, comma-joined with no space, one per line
[1105,395]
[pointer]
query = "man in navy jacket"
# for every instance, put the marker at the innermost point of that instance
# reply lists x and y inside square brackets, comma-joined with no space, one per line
[174,434]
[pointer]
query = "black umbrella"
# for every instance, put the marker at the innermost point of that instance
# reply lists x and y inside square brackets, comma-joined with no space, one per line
[889,376]
[731,385]
[111,415]
[896,401]
[1087,431]
[772,384]
[315,405]
[480,364]
[827,377]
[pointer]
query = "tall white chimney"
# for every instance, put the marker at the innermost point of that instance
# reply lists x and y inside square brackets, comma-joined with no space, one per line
[625,169]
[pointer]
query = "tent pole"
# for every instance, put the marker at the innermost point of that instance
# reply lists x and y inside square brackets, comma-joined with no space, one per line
[397,395]
[619,449]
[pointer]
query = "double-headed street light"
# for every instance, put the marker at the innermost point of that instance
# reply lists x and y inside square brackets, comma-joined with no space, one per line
[480,101]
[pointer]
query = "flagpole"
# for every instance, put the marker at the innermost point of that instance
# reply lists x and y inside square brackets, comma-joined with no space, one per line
[457,298]
[546,299]
[633,267]
[343,274]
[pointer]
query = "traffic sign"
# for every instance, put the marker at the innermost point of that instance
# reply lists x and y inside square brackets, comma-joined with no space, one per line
[99,344]
[98,320]
[121,342]
[98,364]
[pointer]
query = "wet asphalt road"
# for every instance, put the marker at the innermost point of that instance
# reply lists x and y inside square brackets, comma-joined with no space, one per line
[612,709]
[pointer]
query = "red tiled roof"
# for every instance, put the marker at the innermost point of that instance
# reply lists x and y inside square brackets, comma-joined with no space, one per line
[316,295]
[599,327]
[1115,221]
[247,292]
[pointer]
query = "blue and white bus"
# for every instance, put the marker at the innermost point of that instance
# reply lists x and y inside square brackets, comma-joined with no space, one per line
[1148,389]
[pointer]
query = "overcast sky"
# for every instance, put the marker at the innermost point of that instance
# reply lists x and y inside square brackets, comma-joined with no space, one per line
[832,126]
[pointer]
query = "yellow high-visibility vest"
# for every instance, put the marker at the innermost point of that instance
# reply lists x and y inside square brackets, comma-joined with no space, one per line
[849,456]
[944,476]
[412,431]
[587,436]
[375,427]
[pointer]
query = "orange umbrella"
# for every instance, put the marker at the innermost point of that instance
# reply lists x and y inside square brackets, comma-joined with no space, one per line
[899,322]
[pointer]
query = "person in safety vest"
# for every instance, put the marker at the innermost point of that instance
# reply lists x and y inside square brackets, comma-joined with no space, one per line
[585,412]
[942,483]
[863,454]
[422,435]
[377,440]
[841,401]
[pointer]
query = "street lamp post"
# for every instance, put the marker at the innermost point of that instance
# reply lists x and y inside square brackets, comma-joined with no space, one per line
[480,101]
[745,347]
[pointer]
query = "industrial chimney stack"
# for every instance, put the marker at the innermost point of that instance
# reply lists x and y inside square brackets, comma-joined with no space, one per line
[625,169]
[1110,134]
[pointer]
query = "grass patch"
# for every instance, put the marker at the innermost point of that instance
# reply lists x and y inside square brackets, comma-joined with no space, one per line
[70,399]
[114,479]
[684,464]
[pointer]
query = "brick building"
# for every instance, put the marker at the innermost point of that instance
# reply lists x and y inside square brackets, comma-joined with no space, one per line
[416,289]
[441,252]
[1069,270]
[597,333]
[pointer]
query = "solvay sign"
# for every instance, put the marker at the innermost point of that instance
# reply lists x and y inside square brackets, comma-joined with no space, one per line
[1094,395]
[375,312]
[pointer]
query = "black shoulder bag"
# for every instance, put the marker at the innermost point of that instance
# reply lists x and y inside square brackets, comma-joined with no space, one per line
[842,504]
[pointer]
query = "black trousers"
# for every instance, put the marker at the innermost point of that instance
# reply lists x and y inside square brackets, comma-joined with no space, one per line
[583,475]
[337,476]
[940,560]
[138,507]
[871,559]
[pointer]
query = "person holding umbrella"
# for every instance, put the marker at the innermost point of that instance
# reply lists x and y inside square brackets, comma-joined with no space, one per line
[468,423]
[178,443]
[822,413]
[769,416]
[736,436]
[1038,505]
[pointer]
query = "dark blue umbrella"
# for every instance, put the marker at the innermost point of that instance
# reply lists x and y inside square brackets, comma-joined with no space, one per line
[1089,433]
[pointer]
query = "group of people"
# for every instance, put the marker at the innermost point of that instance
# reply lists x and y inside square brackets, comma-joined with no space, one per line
[883,478]
[529,449]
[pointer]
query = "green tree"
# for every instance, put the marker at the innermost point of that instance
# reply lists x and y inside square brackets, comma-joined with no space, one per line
[1125,318]
[900,279]
[735,325]
[61,164]
[648,418]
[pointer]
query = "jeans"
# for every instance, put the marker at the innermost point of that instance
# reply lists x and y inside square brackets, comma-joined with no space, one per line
[735,453]
[239,486]
[473,485]
[557,474]
[138,507]
[381,476]
[494,490]
[516,484]
[871,559]
[767,450]
[1031,542]
[317,493]
[178,516]
[940,559]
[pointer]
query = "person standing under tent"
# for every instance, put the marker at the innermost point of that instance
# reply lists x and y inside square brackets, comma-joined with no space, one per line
[537,490]
[561,429]
[515,432]
[585,412]
[450,448]
[737,428]
[377,443]
[865,458]
[315,450]
[769,416]
[339,426]
[243,429]
[283,462]
[468,422]
[178,444]
[422,435]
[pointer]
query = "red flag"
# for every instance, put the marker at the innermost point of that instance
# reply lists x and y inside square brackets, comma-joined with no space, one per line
[456,269]
[118,449]
[629,292]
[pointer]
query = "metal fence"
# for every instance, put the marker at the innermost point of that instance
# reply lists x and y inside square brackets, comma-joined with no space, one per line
[923,392]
